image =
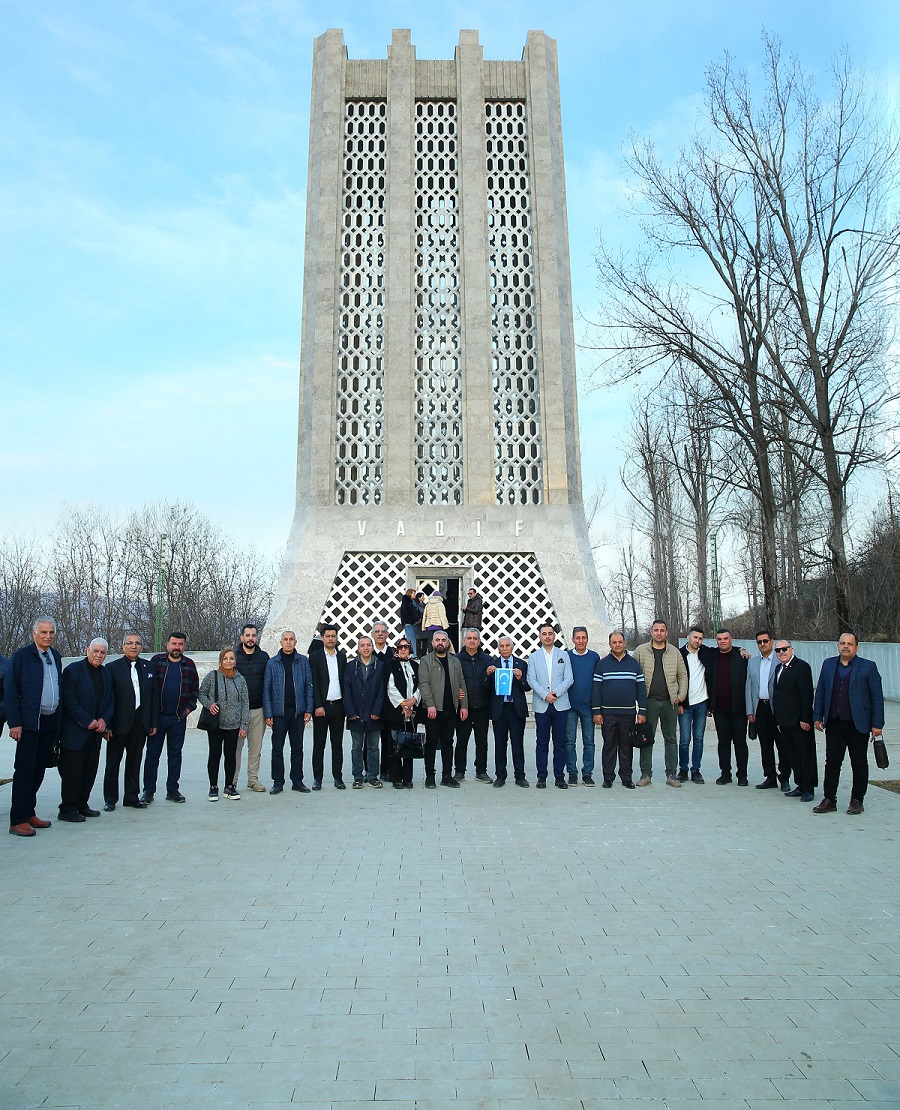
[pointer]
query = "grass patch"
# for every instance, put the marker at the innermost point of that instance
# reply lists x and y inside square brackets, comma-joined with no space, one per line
[887,784]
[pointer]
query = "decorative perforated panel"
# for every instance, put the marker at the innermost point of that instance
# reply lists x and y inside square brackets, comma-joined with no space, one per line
[359,429]
[518,456]
[368,587]
[439,416]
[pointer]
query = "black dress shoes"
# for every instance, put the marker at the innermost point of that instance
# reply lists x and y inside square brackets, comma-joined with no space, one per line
[147,797]
[523,782]
[75,818]
[302,788]
[276,789]
[767,784]
[795,793]
[175,796]
[88,812]
[134,805]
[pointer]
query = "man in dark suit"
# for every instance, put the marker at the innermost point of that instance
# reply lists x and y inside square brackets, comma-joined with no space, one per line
[328,666]
[508,713]
[31,699]
[792,708]
[849,704]
[87,704]
[134,719]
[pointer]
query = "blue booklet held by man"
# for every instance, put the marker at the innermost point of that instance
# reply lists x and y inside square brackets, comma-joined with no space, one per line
[503,682]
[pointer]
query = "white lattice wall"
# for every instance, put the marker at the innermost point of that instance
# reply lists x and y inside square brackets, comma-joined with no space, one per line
[359,431]
[439,398]
[368,587]
[519,471]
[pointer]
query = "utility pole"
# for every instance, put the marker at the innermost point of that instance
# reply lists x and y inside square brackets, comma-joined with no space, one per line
[160,593]
[716,590]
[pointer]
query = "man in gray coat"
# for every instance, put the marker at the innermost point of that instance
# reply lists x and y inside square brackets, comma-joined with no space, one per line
[443,689]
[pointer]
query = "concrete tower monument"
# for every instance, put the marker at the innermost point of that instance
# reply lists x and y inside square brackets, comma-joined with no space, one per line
[438,438]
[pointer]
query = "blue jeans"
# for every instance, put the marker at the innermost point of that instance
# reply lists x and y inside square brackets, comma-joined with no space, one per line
[587,741]
[691,725]
[551,722]
[170,731]
[409,631]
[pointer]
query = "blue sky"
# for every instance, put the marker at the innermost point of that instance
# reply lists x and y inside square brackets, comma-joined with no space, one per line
[152,203]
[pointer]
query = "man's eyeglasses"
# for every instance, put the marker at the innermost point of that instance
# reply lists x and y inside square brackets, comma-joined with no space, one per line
[782,650]
[763,642]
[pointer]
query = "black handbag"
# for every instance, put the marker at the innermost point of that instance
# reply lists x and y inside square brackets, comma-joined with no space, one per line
[640,736]
[207,720]
[881,755]
[409,743]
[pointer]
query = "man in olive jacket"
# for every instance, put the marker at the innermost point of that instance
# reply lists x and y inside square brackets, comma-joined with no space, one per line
[443,689]
[667,686]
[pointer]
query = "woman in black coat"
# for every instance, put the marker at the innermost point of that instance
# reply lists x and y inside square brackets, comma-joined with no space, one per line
[401,708]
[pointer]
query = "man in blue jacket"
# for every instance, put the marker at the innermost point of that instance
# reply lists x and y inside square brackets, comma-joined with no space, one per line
[581,693]
[288,706]
[31,701]
[849,704]
[87,707]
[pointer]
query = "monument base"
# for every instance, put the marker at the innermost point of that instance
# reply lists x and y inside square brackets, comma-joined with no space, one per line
[351,564]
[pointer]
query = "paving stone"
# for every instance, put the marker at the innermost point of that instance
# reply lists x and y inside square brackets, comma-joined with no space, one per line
[504,952]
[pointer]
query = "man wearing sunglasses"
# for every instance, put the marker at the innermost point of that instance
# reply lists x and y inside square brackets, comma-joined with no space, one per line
[760,680]
[792,707]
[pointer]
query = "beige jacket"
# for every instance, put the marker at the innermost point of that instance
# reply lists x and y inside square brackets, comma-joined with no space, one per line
[435,613]
[673,668]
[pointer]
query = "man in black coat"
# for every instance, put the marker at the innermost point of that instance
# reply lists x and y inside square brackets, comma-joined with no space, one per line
[250,660]
[31,700]
[87,704]
[474,662]
[508,712]
[134,719]
[726,682]
[792,708]
[328,666]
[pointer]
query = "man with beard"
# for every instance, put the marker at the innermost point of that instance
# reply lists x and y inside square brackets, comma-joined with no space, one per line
[177,687]
[250,660]
[508,712]
[443,694]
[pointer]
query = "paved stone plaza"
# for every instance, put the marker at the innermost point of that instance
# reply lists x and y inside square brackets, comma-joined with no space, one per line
[708,946]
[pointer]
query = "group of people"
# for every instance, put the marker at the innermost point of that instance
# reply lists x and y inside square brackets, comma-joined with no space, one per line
[384,693]
[421,616]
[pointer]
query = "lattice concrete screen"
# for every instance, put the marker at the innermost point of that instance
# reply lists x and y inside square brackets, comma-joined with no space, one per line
[368,587]
[438,416]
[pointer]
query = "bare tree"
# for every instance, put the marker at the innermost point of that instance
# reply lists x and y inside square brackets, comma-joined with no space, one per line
[21,596]
[784,202]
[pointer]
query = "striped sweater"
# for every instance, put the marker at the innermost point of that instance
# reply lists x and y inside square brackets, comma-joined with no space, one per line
[619,685]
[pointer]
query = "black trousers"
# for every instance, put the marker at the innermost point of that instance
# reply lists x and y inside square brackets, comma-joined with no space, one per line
[509,727]
[131,745]
[78,771]
[770,743]
[476,722]
[331,726]
[34,754]
[222,741]
[801,749]
[841,736]
[439,734]
[617,746]
[731,729]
